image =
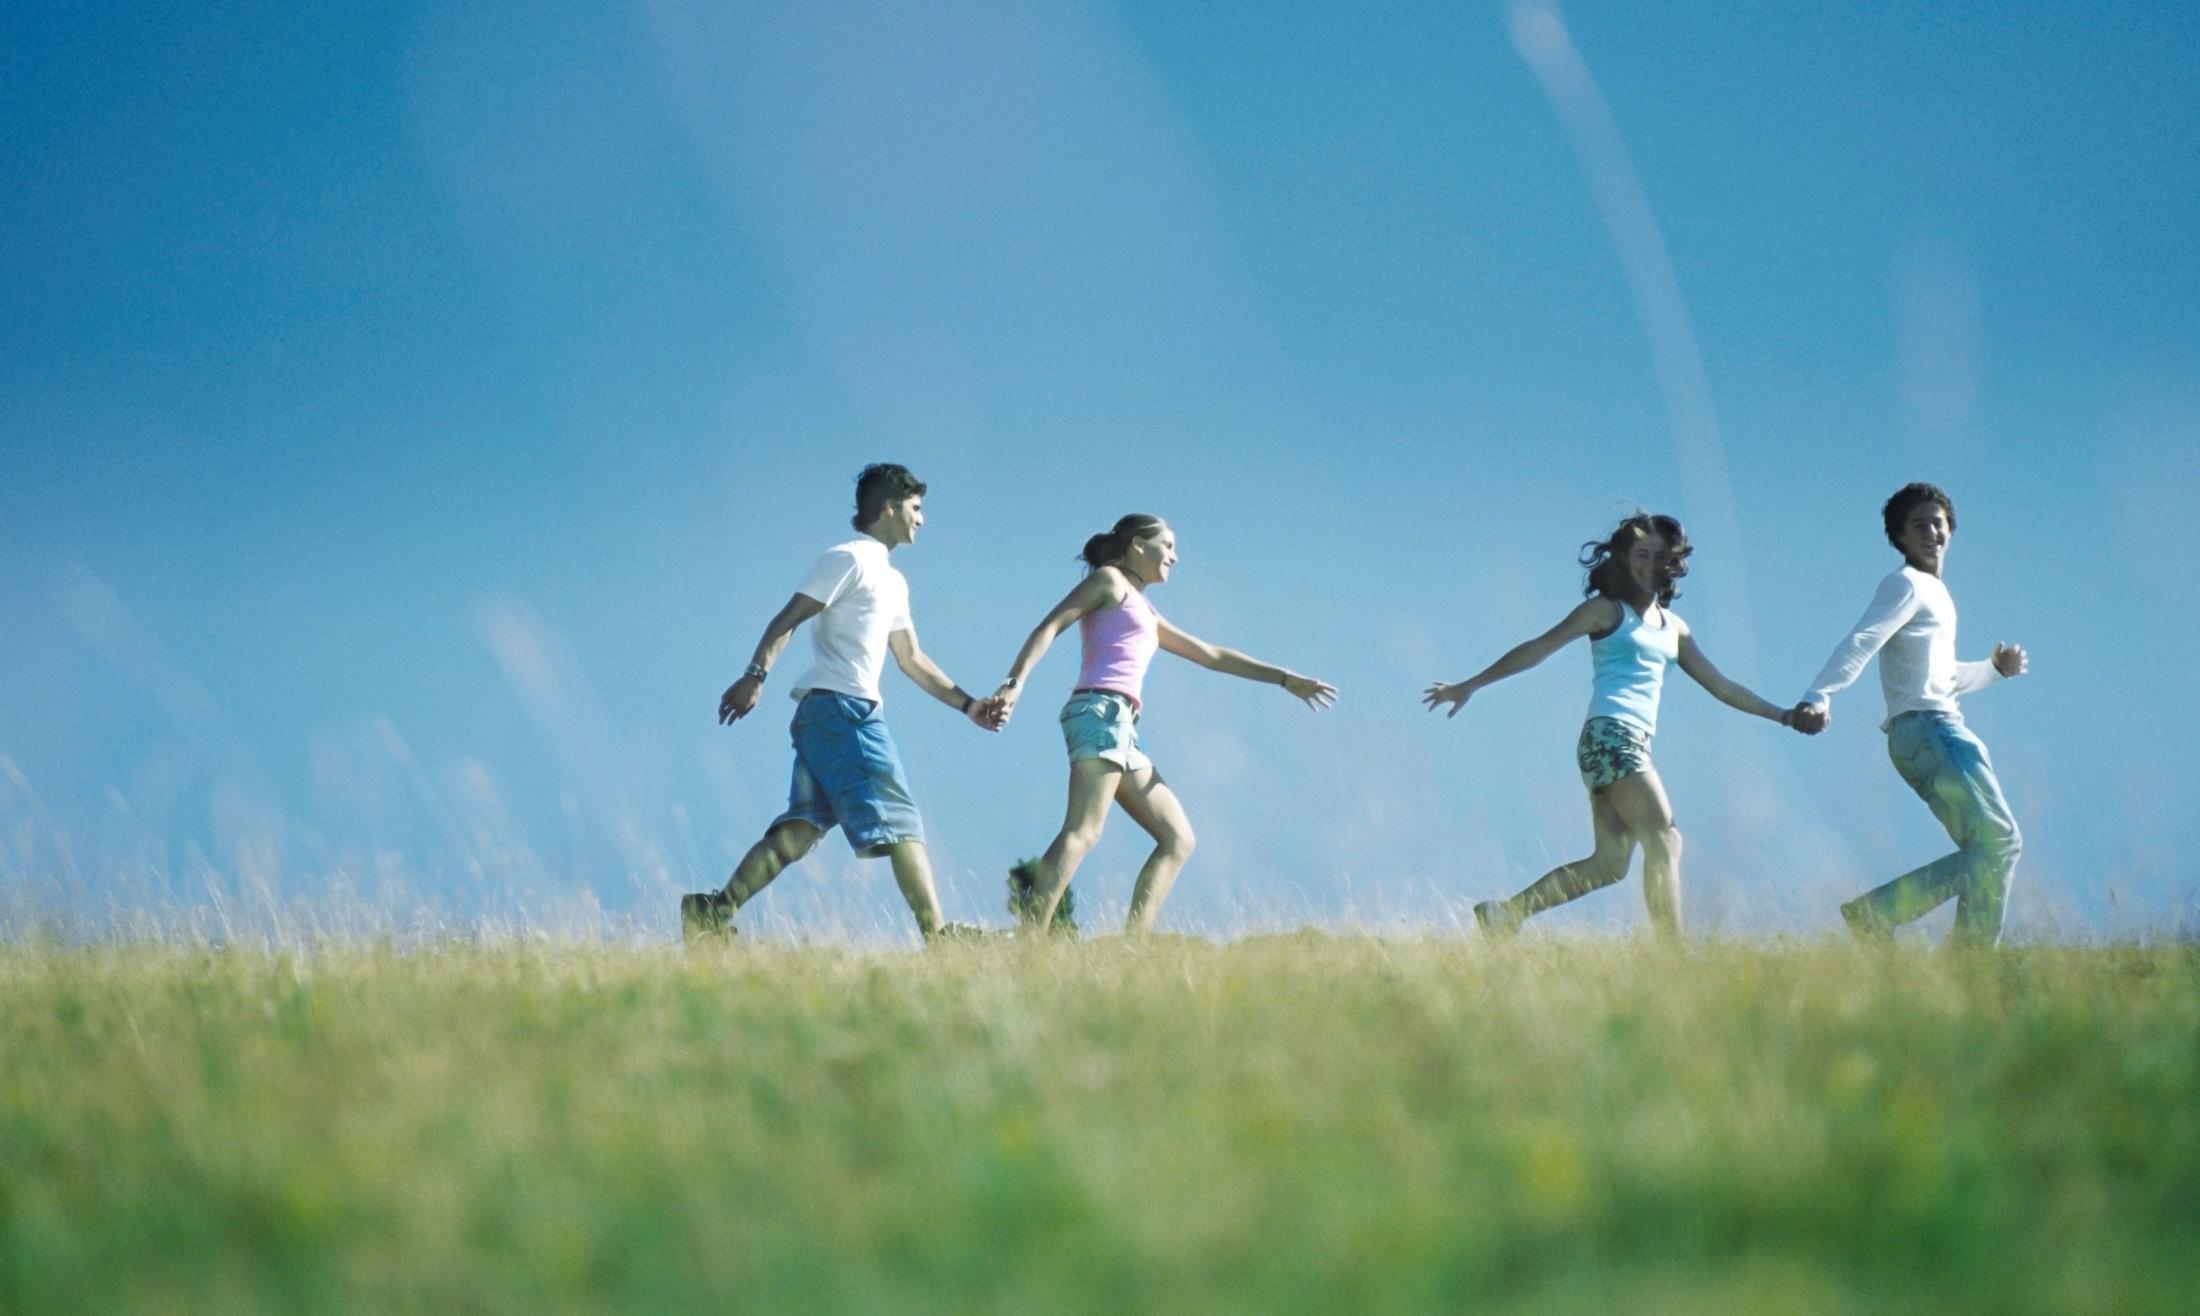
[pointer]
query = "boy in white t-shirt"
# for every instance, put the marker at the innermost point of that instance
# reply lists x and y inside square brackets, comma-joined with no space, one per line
[1911,625]
[847,772]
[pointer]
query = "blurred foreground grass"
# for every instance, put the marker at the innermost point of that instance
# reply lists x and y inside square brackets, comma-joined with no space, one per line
[1302,1123]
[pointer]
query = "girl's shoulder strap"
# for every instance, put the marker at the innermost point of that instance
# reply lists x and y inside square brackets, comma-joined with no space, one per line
[1606,616]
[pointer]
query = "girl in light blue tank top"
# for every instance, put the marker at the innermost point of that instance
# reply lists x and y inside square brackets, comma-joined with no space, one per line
[1634,636]
[1630,662]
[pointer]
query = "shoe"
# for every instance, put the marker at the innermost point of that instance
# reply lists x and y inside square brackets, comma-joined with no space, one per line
[1496,918]
[706,914]
[1866,926]
[967,934]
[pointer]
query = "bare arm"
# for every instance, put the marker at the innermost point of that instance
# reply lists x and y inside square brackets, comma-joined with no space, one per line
[741,696]
[1102,589]
[1725,688]
[1591,617]
[919,667]
[1215,658]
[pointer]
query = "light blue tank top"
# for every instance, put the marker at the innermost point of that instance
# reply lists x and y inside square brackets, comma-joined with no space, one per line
[1630,668]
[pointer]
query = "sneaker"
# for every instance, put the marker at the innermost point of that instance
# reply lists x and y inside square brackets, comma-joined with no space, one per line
[706,914]
[1867,927]
[1496,918]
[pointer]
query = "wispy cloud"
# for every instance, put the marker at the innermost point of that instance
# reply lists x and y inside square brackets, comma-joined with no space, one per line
[1541,38]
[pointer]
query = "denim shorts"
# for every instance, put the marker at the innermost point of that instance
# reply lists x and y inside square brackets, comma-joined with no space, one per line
[1100,725]
[1610,749]
[847,773]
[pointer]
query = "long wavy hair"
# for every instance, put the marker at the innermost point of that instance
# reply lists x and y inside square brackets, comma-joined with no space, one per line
[1605,562]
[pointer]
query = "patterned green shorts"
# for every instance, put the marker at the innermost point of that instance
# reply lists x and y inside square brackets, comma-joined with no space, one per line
[1610,749]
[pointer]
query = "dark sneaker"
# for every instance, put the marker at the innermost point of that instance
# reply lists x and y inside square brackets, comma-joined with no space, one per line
[1496,918]
[1867,927]
[705,914]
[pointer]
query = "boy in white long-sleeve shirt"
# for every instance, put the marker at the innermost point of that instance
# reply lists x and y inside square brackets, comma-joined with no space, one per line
[1911,625]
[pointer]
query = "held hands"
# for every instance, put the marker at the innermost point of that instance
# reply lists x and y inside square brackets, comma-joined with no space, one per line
[739,699]
[1809,718]
[1004,699]
[988,714]
[1439,694]
[2009,660]
[1317,694]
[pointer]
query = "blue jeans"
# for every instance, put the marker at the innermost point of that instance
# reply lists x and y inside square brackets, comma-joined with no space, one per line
[1948,768]
[848,773]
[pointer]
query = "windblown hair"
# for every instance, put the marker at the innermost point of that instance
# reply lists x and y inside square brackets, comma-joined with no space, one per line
[1606,562]
[879,484]
[1109,547]
[1905,501]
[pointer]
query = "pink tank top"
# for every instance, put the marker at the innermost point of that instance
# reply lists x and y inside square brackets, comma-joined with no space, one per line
[1119,644]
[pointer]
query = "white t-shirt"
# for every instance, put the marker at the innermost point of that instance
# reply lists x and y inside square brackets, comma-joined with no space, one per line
[1911,625]
[865,601]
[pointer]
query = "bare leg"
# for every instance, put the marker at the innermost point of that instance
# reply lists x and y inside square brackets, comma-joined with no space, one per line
[1092,784]
[913,874]
[1615,848]
[1153,806]
[1640,799]
[781,846]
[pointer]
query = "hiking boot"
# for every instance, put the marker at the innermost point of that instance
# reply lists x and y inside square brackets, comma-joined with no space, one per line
[1496,919]
[705,914]
[1866,926]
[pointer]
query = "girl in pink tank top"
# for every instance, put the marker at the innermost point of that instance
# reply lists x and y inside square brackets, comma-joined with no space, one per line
[1119,644]
[1121,632]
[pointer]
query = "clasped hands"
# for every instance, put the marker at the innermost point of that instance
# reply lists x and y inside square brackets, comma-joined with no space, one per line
[1809,718]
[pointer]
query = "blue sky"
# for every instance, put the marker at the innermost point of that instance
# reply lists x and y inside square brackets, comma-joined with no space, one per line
[409,416]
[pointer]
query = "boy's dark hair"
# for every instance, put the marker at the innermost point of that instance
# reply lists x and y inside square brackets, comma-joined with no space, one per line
[1905,501]
[1606,562]
[882,483]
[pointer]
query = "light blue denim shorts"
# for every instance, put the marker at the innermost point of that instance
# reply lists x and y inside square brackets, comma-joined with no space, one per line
[847,773]
[1097,724]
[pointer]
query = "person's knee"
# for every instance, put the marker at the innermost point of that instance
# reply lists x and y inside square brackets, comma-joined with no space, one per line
[1605,867]
[2001,845]
[1178,842]
[1076,842]
[1663,844]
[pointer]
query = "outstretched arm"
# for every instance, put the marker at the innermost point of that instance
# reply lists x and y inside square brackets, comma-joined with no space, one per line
[1102,589]
[1590,617]
[741,696]
[1725,688]
[1890,609]
[1215,658]
[919,667]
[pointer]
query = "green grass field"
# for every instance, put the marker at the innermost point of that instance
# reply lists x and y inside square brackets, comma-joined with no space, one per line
[1306,1123]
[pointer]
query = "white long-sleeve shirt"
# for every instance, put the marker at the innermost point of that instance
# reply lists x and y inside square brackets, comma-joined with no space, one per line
[1911,625]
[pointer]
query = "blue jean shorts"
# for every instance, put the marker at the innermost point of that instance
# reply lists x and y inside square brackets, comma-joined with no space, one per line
[1610,749]
[1100,725]
[848,774]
